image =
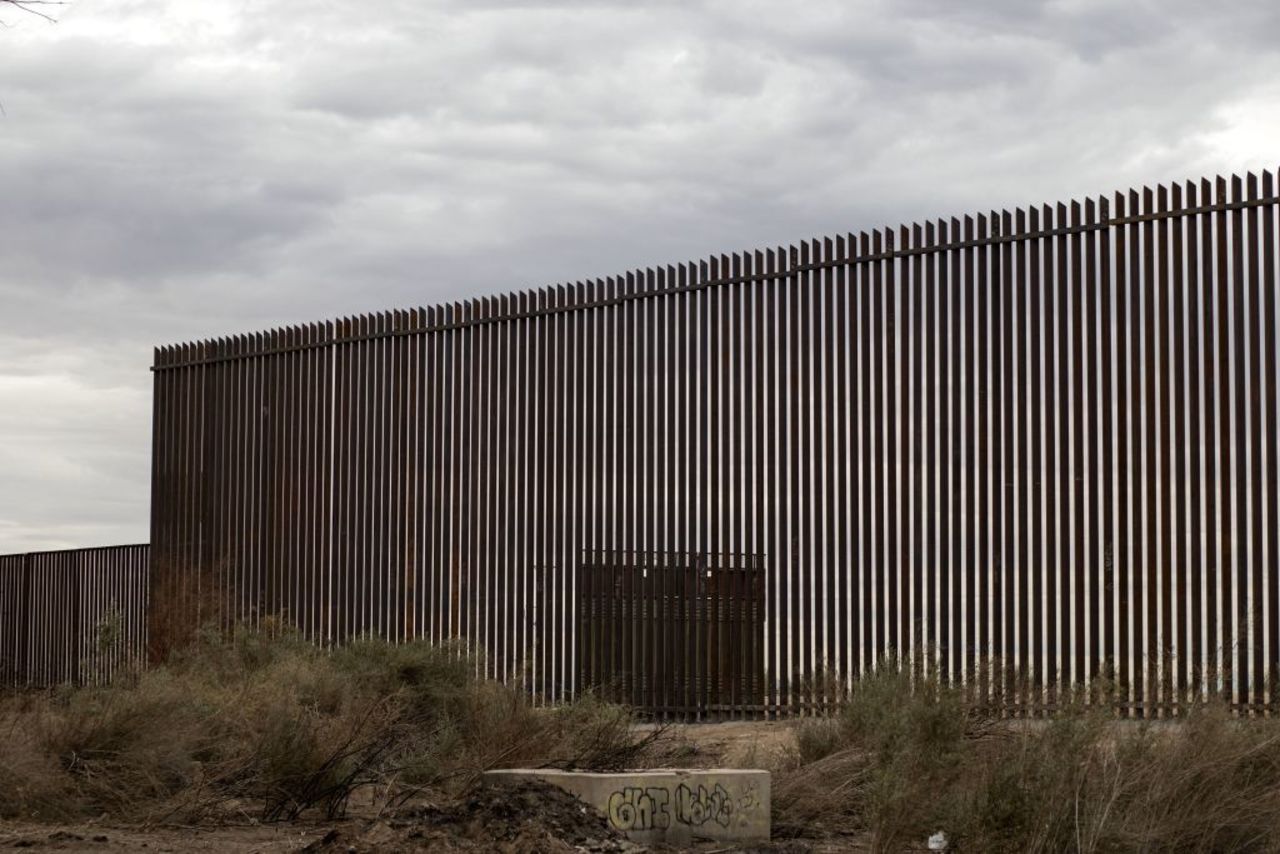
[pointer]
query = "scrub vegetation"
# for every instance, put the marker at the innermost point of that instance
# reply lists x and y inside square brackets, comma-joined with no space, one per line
[267,725]
[905,758]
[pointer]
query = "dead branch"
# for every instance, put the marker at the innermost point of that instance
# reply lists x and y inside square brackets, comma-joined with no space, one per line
[33,7]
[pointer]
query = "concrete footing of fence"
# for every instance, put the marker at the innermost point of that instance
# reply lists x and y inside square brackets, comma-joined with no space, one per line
[671,806]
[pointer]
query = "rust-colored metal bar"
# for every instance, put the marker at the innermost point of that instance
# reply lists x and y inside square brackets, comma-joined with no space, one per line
[1151,565]
[631,523]
[878,430]
[399,567]
[1078,362]
[381,520]
[716,327]
[1052,495]
[611,535]
[517,491]
[1092,557]
[670,499]
[1224,636]
[1022,410]
[972,571]
[1066,474]
[1164,553]
[350,464]
[948,367]
[243,595]
[915,337]
[840,420]
[653,490]
[509,652]
[643,488]
[298,568]
[1198,488]
[598,461]
[560,561]
[1010,533]
[739,513]
[771,344]
[686,468]
[1271,431]
[1240,395]
[894,425]
[284,573]
[1178,640]
[354,408]
[1124,420]
[800,498]
[326,501]
[1139,332]
[583,443]
[791,442]
[983,613]
[1252,329]
[1107,551]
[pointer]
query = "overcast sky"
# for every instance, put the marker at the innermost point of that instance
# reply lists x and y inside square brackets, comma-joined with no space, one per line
[173,169]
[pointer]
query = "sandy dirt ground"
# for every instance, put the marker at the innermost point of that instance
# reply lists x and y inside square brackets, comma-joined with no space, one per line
[162,838]
[732,744]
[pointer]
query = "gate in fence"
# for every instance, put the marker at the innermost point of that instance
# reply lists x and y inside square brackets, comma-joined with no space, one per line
[674,634]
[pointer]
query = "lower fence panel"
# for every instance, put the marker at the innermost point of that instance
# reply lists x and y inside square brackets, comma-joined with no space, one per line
[72,617]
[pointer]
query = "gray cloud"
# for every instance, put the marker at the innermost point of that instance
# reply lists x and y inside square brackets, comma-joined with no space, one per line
[174,170]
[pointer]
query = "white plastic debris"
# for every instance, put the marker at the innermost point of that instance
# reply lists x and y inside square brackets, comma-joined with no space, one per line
[938,841]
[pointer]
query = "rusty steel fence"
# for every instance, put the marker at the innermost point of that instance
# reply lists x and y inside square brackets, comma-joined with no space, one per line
[74,617]
[1033,449]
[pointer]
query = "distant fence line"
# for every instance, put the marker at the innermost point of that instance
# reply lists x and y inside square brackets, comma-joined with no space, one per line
[1038,444]
[75,616]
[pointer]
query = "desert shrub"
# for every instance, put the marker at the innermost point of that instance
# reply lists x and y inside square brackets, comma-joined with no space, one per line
[32,785]
[1020,788]
[596,735]
[265,720]
[818,738]
[1089,782]
[1212,784]
[904,757]
[877,764]
[122,746]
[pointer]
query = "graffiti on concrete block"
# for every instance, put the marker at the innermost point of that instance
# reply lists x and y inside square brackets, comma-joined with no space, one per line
[700,806]
[634,808]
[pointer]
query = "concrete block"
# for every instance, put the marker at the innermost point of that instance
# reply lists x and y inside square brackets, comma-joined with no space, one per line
[671,806]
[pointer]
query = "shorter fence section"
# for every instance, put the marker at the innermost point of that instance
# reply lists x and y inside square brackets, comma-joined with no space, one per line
[674,634]
[74,616]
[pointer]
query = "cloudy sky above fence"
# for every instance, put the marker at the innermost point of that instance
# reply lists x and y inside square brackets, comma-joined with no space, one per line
[172,170]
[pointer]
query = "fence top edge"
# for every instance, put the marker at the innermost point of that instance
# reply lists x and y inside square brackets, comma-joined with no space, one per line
[83,550]
[784,265]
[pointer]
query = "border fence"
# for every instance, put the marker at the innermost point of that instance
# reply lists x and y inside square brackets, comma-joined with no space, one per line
[1036,449]
[74,616]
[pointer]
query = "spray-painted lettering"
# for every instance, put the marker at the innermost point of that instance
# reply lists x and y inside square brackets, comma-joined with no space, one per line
[700,806]
[634,808]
